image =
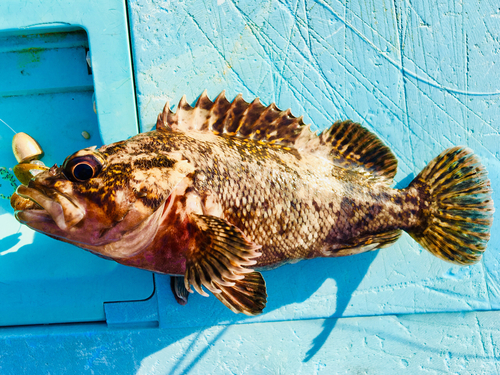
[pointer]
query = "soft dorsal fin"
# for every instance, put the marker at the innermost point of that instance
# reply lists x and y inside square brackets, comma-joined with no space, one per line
[345,143]
[351,146]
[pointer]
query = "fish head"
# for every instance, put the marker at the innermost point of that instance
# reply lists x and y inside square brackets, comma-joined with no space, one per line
[108,200]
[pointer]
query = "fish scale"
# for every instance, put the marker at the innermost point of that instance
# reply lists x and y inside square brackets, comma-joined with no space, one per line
[223,190]
[281,189]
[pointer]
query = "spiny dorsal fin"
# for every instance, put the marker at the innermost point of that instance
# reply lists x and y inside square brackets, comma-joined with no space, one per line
[346,143]
[162,120]
[237,118]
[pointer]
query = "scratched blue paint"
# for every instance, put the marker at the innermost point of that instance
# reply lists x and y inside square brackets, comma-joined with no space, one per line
[46,91]
[423,78]
[455,343]
[408,73]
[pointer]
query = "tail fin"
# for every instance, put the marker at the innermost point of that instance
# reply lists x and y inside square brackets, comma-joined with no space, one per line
[460,210]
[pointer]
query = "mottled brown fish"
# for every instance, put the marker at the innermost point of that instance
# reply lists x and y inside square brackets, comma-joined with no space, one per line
[222,190]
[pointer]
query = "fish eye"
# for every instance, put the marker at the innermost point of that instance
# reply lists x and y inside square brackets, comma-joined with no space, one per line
[83,171]
[82,168]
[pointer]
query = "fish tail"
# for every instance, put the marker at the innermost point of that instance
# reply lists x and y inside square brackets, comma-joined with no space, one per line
[457,208]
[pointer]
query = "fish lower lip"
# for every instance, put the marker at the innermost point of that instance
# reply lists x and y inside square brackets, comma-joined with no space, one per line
[64,218]
[26,216]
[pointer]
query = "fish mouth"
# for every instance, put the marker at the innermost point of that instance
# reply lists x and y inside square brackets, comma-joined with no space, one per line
[62,210]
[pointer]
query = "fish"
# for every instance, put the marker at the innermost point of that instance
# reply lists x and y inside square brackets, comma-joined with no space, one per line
[221,191]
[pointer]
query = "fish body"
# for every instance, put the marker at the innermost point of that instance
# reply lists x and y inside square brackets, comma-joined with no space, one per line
[296,207]
[221,191]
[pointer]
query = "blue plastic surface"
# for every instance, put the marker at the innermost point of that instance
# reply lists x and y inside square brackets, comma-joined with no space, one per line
[46,89]
[420,89]
[453,343]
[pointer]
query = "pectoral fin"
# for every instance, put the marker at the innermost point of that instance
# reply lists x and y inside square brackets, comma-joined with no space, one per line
[218,259]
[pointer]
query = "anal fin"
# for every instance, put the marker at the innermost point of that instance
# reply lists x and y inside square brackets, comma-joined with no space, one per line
[247,296]
[218,259]
[368,243]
